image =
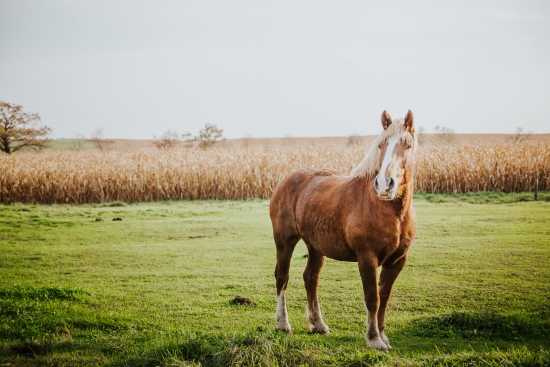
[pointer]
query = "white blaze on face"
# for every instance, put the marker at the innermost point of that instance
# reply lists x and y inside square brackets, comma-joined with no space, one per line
[382,186]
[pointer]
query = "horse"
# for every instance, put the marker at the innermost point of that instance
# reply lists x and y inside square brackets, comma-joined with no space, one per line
[367,217]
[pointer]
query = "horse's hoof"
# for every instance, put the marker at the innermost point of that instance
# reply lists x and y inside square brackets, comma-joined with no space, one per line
[319,329]
[284,328]
[377,343]
[385,340]
[324,330]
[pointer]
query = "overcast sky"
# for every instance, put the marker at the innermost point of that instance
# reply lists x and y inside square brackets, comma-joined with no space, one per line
[276,68]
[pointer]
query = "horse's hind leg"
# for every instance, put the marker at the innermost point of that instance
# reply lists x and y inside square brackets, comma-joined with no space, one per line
[285,248]
[315,262]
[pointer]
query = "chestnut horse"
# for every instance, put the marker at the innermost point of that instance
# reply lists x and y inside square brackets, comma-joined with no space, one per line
[367,217]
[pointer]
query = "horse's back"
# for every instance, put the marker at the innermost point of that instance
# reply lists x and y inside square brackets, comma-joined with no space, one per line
[289,189]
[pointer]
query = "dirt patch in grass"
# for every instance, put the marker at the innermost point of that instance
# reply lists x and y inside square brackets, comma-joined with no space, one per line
[242,300]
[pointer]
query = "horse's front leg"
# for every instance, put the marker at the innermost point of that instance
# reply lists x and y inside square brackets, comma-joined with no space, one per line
[387,277]
[368,265]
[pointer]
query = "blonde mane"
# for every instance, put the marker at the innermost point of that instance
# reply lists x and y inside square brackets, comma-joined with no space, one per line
[370,165]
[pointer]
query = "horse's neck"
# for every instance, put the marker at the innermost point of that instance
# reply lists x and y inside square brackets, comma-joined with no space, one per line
[402,205]
[407,198]
[399,206]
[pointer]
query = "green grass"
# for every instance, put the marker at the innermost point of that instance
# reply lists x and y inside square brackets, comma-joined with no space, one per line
[156,288]
[483,197]
[58,145]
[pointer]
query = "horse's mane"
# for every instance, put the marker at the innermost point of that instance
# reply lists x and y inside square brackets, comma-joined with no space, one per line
[370,165]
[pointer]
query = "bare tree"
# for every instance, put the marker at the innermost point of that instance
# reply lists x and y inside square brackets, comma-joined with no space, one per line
[79,142]
[169,139]
[188,139]
[98,138]
[21,130]
[519,135]
[209,135]
[354,139]
[444,134]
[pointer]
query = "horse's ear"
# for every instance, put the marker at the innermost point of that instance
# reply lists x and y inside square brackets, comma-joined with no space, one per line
[409,122]
[386,120]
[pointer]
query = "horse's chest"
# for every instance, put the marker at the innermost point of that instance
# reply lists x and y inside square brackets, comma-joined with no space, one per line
[375,237]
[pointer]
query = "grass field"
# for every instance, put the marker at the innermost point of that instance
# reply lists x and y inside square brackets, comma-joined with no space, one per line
[77,288]
[59,145]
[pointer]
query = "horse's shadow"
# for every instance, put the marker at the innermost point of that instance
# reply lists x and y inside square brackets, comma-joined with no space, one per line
[481,326]
[461,329]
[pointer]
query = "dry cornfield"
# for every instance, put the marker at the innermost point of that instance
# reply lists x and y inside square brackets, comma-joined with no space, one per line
[82,177]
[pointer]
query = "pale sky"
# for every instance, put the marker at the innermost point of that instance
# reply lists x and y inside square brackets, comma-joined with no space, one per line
[276,68]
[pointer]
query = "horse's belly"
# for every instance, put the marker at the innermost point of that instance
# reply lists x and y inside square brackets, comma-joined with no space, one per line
[341,255]
[334,248]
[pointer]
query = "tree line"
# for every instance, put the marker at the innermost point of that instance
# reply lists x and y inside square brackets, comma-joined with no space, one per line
[21,130]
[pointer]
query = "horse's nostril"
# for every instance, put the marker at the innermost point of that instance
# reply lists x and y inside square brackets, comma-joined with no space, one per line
[391,183]
[376,183]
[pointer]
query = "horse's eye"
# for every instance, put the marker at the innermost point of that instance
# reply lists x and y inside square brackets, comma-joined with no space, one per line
[380,147]
[409,147]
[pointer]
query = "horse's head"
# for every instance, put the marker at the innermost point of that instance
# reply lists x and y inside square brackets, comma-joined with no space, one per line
[396,156]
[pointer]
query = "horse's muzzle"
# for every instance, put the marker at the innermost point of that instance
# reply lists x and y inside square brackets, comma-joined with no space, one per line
[385,196]
[387,191]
